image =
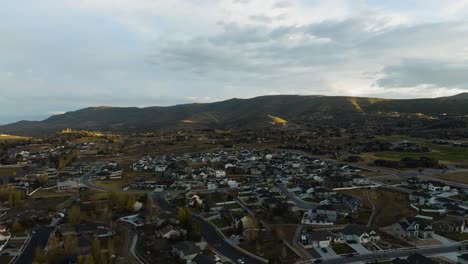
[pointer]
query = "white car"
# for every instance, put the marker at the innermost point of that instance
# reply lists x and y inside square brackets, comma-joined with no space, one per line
[240,261]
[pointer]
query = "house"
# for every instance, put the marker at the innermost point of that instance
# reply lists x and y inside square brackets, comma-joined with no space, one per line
[185,250]
[168,232]
[212,186]
[419,198]
[220,173]
[359,233]
[411,228]
[166,217]
[319,239]
[328,212]
[4,234]
[450,224]
[67,185]
[359,180]
[437,187]
[160,168]
[233,184]
[323,193]
[350,202]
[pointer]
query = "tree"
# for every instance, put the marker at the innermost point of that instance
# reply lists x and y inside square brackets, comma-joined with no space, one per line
[130,205]
[74,215]
[110,248]
[96,248]
[16,227]
[14,197]
[184,215]
[39,256]
[43,179]
[89,259]
[195,233]
[70,245]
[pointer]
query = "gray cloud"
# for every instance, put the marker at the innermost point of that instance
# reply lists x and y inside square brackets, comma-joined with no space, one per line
[87,53]
[433,73]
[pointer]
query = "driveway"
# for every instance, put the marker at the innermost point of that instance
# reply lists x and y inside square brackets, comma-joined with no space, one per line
[329,255]
[359,248]
[442,239]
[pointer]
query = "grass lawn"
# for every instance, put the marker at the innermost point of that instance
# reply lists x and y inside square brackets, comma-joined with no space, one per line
[457,236]
[49,193]
[342,249]
[113,184]
[461,177]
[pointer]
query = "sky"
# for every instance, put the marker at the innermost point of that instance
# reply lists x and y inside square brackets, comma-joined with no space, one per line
[63,55]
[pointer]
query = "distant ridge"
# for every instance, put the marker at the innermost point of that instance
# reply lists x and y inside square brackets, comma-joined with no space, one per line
[233,113]
[462,96]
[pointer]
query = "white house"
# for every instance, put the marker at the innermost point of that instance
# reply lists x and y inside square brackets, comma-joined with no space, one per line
[160,168]
[212,186]
[67,185]
[359,233]
[233,184]
[220,173]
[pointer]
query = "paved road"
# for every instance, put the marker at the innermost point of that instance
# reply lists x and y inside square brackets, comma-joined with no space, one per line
[296,200]
[212,237]
[371,218]
[216,241]
[372,256]
[38,239]
[129,234]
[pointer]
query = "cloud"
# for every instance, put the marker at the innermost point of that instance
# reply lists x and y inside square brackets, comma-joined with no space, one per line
[71,54]
[424,72]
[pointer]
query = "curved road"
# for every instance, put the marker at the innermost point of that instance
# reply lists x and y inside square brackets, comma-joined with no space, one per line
[213,238]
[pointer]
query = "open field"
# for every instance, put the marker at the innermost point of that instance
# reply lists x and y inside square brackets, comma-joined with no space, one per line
[443,153]
[461,177]
[4,137]
[390,205]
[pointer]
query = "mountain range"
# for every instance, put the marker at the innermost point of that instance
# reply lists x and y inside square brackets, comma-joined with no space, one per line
[240,113]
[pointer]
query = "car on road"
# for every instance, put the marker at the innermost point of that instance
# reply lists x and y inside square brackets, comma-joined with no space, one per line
[240,261]
[324,250]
